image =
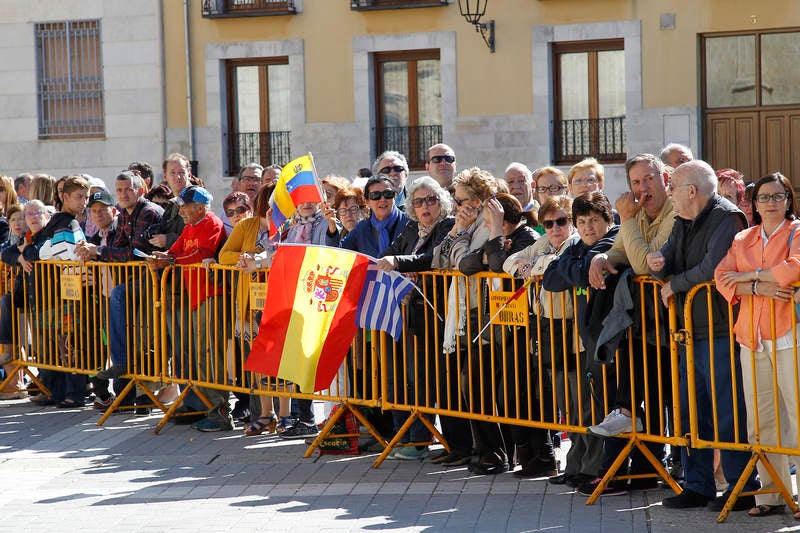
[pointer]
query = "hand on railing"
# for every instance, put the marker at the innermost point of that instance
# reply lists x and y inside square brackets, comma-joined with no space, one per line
[159,260]
[597,271]
[86,251]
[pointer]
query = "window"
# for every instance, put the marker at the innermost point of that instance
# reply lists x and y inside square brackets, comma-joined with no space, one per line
[245,8]
[408,103]
[258,112]
[589,91]
[69,71]
[734,65]
[366,5]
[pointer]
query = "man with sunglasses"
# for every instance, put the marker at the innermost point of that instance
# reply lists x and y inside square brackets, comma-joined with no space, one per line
[394,166]
[441,165]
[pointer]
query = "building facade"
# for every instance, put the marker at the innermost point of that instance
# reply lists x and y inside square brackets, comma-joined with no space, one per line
[268,80]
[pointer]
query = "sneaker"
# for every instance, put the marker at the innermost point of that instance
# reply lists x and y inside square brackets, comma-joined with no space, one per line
[614,488]
[743,503]
[241,413]
[686,500]
[301,430]
[411,453]
[113,372]
[209,425]
[102,405]
[614,423]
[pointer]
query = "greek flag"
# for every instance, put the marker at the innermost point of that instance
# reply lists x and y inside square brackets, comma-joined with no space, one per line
[379,306]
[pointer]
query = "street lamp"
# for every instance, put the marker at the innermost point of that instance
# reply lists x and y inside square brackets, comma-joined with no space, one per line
[473,11]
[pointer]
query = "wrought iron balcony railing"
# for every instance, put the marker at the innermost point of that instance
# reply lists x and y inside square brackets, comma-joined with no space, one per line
[266,148]
[368,5]
[247,8]
[601,138]
[411,141]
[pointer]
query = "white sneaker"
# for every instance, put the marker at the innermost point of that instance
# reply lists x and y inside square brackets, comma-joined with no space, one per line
[614,423]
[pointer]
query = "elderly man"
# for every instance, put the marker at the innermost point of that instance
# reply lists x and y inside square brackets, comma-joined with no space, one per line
[675,155]
[395,167]
[248,181]
[520,183]
[21,185]
[441,164]
[197,305]
[700,238]
[646,221]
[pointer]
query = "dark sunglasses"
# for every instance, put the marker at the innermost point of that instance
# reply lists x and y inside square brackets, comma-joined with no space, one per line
[561,221]
[440,158]
[459,202]
[428,200]
[241,210]
[377,195]
[396,168]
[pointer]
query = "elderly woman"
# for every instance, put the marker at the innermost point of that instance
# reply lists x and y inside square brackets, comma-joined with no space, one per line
[351,208]
[508,234]
[428,206]
[730,185]
[592,215]
[16,234]
[757,272]
[236,207]
[534,447]
[473,188]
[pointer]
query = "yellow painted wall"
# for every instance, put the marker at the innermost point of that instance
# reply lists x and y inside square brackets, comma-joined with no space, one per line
[488,84]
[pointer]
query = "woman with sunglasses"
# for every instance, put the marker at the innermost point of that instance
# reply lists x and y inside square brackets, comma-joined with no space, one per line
[553,312]
[428,205]
[236,207]
[373,235]
[757,273]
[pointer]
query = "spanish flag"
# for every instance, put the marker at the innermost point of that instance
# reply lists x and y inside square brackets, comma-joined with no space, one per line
[297,184]
[309,319]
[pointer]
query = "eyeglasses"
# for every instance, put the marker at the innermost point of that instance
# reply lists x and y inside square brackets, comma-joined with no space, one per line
[396,168]
[241,210]
[32,214]
[254,179]
[551,188]
[777,197]
[585,181]
[377,195]
[460,201]
[560,221]
[440,158]
[672,186]
[428,200]
[342,211]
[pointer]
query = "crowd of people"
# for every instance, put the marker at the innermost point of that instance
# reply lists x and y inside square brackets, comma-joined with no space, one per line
[681,222]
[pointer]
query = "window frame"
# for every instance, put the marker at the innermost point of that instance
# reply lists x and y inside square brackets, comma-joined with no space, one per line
[591,47]
[409,56]
[75,64]
[264,117]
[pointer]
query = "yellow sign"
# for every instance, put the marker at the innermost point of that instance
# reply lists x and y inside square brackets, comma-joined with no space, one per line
[258,296]
[71,287]
[514,314]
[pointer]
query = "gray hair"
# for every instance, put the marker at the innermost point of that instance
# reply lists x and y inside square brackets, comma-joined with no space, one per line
[700,174]
[384,155]
[427,182]
[654,162]
[137,182]
[522,168]
[249,165]
[37,204]
[664,153]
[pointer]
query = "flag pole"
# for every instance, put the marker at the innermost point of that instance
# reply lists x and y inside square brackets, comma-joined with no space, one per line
[511,298]
[316,179]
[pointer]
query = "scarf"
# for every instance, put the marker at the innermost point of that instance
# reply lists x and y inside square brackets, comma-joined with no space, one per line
[384,239]
[300,232]
[424,231]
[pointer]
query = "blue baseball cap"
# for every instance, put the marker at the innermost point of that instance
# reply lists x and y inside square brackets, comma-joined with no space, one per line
[196,195]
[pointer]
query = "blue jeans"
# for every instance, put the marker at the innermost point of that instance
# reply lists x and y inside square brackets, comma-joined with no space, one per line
[126,300]
[698,464]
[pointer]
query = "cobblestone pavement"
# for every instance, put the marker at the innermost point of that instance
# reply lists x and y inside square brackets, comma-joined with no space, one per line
[62,473]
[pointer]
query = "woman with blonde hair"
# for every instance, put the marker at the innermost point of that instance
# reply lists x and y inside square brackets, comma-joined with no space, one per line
[8,195]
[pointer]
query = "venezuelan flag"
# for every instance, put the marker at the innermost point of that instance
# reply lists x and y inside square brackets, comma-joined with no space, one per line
[309,318]
[297,184]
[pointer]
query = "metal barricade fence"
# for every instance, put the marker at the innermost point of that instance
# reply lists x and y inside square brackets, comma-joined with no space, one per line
[742,401]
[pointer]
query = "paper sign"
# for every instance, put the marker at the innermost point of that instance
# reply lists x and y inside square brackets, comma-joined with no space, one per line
[514,314]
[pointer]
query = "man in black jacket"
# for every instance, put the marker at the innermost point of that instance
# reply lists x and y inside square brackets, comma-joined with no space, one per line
[700,238]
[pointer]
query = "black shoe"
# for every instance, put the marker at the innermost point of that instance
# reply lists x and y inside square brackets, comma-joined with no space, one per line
[113,372]
[537,468]
[686,500]
[579,479]
[614,488]
[489,464]
[301,430]
[241,413]
[456,459]
[560,479]
[437,457]
[743,503]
